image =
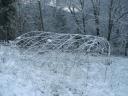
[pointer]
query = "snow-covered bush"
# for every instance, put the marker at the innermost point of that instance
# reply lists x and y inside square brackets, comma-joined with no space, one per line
[46,41]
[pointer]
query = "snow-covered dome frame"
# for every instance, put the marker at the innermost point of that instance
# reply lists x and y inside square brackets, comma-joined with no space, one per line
[39,41]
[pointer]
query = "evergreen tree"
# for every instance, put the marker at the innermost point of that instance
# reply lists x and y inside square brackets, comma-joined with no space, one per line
[7,15]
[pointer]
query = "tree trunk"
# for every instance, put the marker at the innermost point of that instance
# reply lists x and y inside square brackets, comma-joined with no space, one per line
[96,12]
[84,25]
[126,49]
[110,21]
[41,17]
[97,25]
[110,27]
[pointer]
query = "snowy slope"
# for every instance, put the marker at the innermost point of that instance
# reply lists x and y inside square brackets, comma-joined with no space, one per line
[61,74]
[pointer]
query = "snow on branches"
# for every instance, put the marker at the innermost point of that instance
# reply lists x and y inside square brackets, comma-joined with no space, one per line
[47,41]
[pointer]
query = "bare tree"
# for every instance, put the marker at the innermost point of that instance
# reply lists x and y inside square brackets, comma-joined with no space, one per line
[117,11]
[76,7]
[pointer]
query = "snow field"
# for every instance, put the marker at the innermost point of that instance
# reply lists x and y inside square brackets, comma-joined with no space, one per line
[61,74]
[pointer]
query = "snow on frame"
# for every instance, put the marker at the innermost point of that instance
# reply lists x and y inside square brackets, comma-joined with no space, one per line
[42,41]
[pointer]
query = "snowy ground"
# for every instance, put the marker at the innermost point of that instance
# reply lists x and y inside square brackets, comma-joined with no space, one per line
[61,74]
